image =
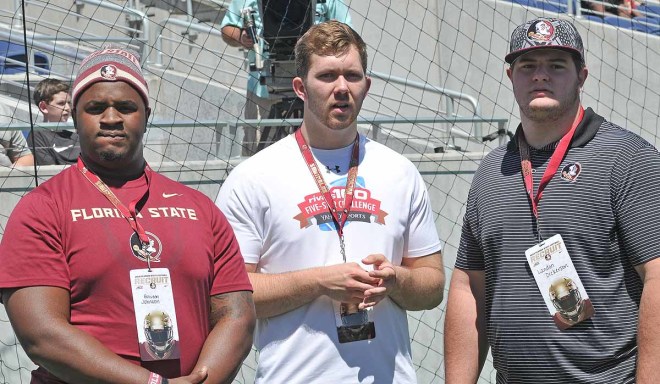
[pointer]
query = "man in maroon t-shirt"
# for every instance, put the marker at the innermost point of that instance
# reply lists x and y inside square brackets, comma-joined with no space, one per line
[114,273]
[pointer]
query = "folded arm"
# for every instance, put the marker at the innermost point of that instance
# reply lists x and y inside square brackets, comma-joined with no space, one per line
[466,343]
[24,161]
[648,337]
[232,320]
[40,317]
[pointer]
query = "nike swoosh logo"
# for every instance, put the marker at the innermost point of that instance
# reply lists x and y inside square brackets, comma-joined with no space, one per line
[168,195]
[61,149]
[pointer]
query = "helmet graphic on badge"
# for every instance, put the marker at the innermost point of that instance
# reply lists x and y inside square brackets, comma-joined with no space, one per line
[160,333]
[566,298]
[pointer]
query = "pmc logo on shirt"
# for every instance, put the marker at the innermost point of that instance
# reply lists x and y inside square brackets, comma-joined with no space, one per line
[363,207]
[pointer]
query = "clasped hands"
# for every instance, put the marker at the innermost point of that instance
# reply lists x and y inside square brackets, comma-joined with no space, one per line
[349,283]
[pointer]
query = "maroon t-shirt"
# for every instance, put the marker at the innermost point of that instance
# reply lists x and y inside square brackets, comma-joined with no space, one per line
[67,234]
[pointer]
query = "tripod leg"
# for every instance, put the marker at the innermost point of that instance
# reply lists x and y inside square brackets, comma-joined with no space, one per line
[275,113]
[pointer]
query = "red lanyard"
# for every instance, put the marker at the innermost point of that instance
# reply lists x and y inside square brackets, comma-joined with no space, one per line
[129,213]
[339,220]
[553,165]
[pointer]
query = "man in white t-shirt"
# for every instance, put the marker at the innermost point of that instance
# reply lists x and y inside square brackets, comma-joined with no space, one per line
[336,230]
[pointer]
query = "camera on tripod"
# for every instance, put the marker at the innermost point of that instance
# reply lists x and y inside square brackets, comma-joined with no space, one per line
[284,22]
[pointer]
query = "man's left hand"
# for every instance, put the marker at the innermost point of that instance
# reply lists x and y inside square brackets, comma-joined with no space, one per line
[386,272]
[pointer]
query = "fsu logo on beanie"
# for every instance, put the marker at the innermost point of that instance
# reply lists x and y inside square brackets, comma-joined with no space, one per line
[111,64]
[109,72]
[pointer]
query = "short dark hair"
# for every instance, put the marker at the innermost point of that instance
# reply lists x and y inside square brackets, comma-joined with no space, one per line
[47,88]
[330,38]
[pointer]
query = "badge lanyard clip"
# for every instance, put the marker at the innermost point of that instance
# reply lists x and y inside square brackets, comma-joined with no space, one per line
[338,218]
[129,213]
[553,166]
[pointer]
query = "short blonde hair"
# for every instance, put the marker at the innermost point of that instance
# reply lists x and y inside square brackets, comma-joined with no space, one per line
[330,38]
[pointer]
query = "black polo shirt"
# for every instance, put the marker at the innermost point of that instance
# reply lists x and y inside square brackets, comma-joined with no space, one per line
[609,217]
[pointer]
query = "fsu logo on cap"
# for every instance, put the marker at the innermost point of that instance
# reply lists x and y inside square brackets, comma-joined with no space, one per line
[109,72]
[541,30]
[571,172]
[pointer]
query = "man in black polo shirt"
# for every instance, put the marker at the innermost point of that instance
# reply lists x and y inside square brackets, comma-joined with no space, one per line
[557,269]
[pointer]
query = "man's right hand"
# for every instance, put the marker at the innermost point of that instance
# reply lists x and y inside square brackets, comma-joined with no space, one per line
[245,40]
[278,293]
[346,282]
[236,37]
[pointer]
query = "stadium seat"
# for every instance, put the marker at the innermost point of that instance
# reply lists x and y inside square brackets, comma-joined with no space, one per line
[17,52]
[594,18]
[559,6]
[617,21]
[551,6]
[647,24]
[650,10]
[648,20]
[527,3]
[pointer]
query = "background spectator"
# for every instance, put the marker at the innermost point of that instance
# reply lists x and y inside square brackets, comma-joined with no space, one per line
[622,8]
[13,148]
[59,146]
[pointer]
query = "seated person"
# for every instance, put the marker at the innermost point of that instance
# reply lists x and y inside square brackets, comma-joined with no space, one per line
[59,146]
[621,8]
[14,150]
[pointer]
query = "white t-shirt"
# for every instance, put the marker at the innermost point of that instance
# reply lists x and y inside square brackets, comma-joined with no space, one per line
[277,212]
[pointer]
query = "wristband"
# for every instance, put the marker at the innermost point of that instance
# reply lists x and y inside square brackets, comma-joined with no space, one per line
[165,381]
[155,378]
